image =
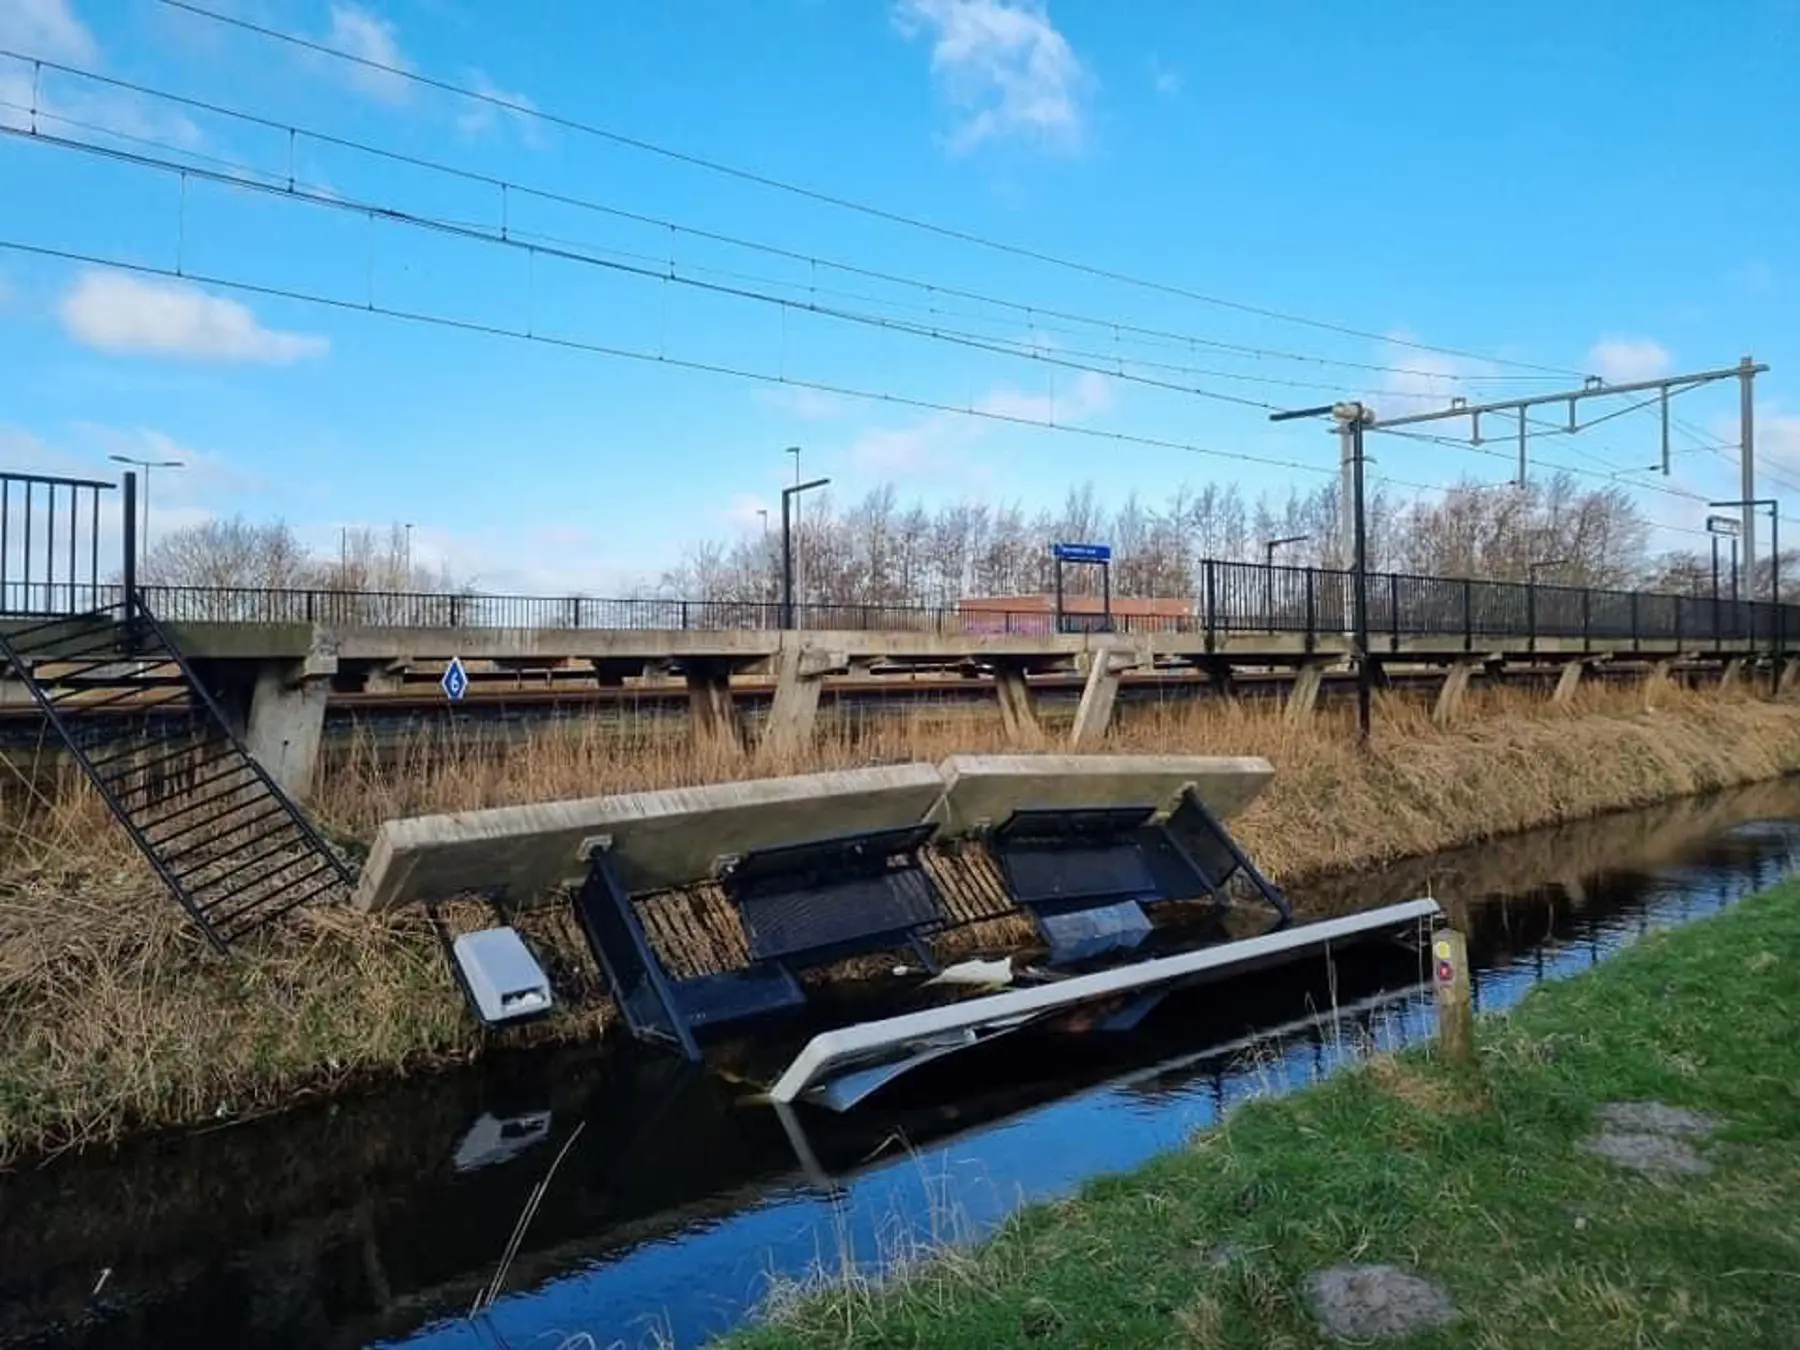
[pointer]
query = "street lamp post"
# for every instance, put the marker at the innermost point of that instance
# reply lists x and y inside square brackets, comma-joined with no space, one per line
[795,583]
[1777,637]
[1269,547]
[1356,416]
[788,503]
[146,465]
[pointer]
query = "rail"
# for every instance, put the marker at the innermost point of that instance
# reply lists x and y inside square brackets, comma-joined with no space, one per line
[1234,597]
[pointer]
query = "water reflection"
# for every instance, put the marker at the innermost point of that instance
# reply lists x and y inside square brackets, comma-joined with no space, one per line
[380,1220]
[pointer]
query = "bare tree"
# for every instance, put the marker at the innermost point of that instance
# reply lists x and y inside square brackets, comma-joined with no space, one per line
[228,553]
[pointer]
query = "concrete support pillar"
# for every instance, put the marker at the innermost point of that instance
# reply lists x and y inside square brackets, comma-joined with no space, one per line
[799,679]
[1784,683]
[1094,713]
[1303,696]
[1018,708]
[13,693]
[287,723]
[1450,694]
[1731,679]
[1567,683]
[1656,683]
[711,711]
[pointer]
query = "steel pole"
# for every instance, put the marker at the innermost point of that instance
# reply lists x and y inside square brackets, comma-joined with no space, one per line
[1776,627]
[1715,605]
[1346,493]
[1747,454]
[1365,674]
[130,519]
[787,561]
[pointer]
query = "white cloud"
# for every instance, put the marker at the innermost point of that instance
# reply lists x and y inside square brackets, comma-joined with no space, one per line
[808,405]
[921,447]
[46,28]
[748,510]
[479,117]
[545,559]
[1090,392]
[49,28]
[118,313]
[1005,65]
[1777,438]
[1421,381]
[59,99]
[1619,360]
[202,479]
[203,488]
[373,39]
[1164,80]
[941,443]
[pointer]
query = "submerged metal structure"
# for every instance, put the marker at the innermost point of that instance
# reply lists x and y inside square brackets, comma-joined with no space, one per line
[706,907]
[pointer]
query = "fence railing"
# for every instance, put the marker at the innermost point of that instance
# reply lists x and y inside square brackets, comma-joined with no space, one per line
[1234,598]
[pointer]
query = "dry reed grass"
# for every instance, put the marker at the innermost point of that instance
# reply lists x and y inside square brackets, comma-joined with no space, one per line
[114,1016]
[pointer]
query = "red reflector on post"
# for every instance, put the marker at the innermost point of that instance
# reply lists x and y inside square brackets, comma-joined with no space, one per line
[1444,972]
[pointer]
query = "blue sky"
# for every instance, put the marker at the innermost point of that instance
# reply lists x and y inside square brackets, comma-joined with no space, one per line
[1598,189]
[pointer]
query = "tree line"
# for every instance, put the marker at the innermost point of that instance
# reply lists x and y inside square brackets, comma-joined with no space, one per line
[880,551]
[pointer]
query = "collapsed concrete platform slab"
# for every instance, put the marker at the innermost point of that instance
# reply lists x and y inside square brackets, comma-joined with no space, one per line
[983,790]
[674,837]
[658,840]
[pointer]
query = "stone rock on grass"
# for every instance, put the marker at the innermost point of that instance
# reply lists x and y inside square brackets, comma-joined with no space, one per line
[1655,1118]
[1654,1155]
[1361,1302]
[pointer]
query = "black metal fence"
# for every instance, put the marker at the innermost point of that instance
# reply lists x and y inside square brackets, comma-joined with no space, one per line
[50,545]
[1235,597]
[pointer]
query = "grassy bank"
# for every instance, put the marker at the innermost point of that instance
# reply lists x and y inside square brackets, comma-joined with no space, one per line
[114,1016]
[1481,1180]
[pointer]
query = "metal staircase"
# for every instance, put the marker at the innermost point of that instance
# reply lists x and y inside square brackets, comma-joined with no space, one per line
[232,848]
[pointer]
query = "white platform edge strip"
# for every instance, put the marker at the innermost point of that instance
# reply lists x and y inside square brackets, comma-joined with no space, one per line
[830,1049]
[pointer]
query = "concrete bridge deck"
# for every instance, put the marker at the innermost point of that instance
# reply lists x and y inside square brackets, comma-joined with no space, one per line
[274,659]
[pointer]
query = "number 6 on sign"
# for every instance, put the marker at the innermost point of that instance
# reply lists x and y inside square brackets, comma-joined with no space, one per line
[456,680]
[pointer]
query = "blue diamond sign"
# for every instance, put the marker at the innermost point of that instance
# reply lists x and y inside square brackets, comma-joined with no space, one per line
[456,680]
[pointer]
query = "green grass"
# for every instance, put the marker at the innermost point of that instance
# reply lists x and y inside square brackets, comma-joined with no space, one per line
[1470,1177]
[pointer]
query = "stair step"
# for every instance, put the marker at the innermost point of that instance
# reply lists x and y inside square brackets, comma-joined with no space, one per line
[234,850]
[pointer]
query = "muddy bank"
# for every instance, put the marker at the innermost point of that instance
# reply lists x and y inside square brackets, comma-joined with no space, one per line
[114,1017]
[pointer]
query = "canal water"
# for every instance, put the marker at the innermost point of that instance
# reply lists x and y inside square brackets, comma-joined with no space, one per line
[681,1201]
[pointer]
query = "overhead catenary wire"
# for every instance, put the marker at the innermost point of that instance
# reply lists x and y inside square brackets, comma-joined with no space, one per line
[1034,312]
[655,358]
[503,240]
[1616,477]
[237,173]
[837,201]
[372,211]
